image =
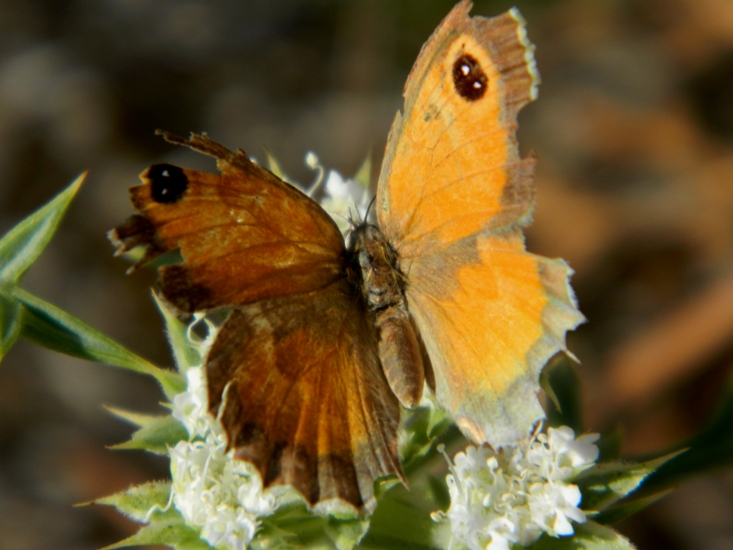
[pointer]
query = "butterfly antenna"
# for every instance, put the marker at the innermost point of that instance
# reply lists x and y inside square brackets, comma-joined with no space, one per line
[354,223]
[371,203]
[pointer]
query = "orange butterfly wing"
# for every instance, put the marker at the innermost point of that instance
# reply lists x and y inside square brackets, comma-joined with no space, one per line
[307,401]
[452,167]
[453,194]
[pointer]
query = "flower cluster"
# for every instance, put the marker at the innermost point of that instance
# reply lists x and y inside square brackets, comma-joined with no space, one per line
[512,496]
[343,198]
[213,491]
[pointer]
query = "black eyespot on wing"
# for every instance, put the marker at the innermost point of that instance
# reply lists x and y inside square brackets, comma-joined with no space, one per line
[469,79]
[168,182]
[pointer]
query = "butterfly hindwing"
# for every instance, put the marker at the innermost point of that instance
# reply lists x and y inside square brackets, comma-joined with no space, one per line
[491,316]
[307,400]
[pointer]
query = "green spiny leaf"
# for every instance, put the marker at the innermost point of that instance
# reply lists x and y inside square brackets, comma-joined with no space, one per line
[547,388]
[625,509]
[174,534]
[438,491]
[439,421]
[150,503]
[364,175]
[11,322]
[22,245]
[293,525]
[607,483]
[711,448]
[416,427]
[156,437]
[564,385]
[588,536]
[136,419]
[53,328]
[137,501]
[402,521]
[345,535]
[609,446]
[274,166]
[186,354]
[428,428]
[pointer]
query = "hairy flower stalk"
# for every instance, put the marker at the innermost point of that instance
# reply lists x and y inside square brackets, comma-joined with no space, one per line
[512,496]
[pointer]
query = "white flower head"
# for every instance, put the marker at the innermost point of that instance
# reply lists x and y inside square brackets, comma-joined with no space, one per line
[311,160]
[213,491]
[190,407]
[512,496]
[345,199]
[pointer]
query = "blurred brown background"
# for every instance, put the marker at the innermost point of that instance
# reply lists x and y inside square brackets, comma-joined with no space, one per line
[634,133]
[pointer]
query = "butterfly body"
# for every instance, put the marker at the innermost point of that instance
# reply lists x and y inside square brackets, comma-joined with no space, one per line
[326,339]
[382,285]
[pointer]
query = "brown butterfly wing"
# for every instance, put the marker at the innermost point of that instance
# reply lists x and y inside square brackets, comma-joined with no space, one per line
[306,400]
[245,235]
[308,403]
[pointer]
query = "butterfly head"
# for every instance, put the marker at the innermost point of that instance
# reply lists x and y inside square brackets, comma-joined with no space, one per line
[375,264]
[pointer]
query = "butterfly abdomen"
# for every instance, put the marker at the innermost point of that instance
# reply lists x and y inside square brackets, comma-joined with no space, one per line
[382,285]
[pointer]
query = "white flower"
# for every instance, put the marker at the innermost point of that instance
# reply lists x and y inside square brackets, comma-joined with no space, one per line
[512,496]
[212,490]
[344,199]
[190,407]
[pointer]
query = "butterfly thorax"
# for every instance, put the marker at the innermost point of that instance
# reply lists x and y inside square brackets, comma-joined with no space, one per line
[374,265]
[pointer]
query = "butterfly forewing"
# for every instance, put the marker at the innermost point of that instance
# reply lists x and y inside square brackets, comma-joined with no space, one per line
[244,236]
[451,166]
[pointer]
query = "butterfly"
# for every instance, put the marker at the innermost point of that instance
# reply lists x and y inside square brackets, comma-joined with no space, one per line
[327,338]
